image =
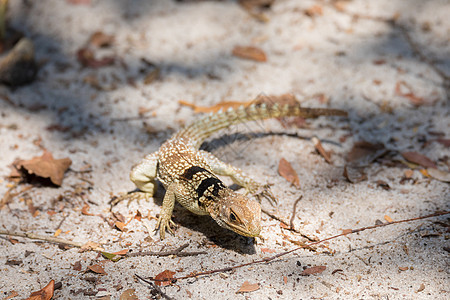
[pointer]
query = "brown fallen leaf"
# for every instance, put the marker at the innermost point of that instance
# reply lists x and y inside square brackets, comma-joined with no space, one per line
[403,268]
[249,52]
[86,57]
[383,184]
[314,10]
[138,215]
[165,275]
[225,105]
[46,166]
[97,269]
[318,145]
[388,219]
[85,210]
[313,270]
[77,266]
[354,175]
[101,40]
[419,159]
[409,95]
[421,288]
[439,174]
[445,142]
[363,153]
[128,295]
[247,287]
[44,294]
[121,226]
[285,169]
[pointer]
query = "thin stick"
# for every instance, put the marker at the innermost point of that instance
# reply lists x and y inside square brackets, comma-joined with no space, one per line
[154,287]
[294,211]
[278,218]
[33,236]
[268,259]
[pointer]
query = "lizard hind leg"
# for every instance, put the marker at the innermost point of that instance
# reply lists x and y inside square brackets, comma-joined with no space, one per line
[239,177]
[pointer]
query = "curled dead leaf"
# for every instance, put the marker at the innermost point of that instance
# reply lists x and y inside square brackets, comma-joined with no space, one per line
[46,166]
[44,294]
[97,269]
[419,159]
[285,169]
[318,145]
[250,52]
[164,278]
[313,270]
[247,287]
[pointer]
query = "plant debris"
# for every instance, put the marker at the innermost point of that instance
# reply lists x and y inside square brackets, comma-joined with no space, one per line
[250,53]
[45,293]
[247,287]
[46,166]
[285,169]
[313,270]
[419,159]
[97,269]
[166,274]
[363,153]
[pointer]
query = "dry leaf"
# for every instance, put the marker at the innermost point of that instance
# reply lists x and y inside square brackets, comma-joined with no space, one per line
[45,294]
[388,219]
[77,266]
[97,269]
[403,268]
[419,159]
[121,226]
[249,52]
[121,252]
[247,287]
[85,210]
[421,288]
[91,246]
[445,142]
[383,184]
[285,169]
[409,95]
[128,295]
[166,276]
[100,39]
[138,216]
[313,270]
[46,166]
[87,58]
[57,232]
[354,175]
[439,174]
[318,145]
[314,10]
[363,153]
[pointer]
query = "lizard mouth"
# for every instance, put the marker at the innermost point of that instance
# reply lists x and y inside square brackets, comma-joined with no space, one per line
[244,231]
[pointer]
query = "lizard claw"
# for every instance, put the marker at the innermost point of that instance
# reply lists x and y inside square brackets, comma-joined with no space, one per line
[262,191]
[133,196]
[164,224]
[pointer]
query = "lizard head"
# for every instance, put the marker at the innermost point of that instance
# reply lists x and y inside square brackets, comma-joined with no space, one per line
[237,212]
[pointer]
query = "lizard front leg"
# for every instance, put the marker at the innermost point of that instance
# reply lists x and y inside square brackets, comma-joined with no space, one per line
[175,191]
[143,175]
[238,176]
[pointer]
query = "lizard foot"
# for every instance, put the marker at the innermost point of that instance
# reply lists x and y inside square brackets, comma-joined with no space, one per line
[133,196]
[262,191]
[164,224]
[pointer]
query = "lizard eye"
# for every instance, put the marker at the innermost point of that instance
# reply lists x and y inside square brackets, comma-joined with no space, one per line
[233,217]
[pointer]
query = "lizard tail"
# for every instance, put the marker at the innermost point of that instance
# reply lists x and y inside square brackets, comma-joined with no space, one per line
[205,127]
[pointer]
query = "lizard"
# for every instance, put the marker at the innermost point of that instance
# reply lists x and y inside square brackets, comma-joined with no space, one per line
[190,175]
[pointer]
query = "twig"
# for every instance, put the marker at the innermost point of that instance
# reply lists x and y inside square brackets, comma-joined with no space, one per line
[294,211]
[33,236]
[154,287]
[289,227]
[268,259]
[176,252]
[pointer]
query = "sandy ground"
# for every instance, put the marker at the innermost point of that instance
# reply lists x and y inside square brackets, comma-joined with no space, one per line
[350,53]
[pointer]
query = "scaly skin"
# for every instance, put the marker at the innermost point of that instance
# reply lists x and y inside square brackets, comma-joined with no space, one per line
[189,174]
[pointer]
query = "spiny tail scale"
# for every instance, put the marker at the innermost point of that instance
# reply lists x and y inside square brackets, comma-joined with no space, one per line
[203,128]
